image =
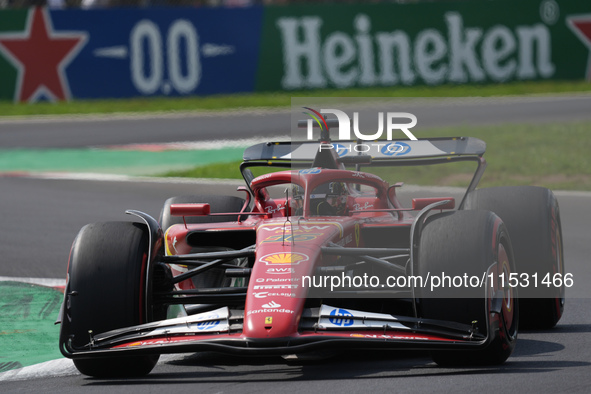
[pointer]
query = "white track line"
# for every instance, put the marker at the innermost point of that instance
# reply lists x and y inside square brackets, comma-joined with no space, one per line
[53,368]
[119,116]
[59,368]
[49,282]
[198,145]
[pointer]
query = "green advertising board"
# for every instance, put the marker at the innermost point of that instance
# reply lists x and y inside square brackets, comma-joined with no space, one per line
[378,45]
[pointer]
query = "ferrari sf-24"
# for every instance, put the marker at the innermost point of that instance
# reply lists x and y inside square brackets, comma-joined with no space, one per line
[319,255]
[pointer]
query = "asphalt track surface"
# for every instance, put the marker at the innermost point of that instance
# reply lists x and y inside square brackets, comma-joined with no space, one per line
[83,131]
[40,218]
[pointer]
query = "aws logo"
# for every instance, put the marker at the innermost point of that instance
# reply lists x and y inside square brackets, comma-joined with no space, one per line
[280,271]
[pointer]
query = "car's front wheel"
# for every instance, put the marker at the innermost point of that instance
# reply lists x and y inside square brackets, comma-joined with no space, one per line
[106,291]
[468,251]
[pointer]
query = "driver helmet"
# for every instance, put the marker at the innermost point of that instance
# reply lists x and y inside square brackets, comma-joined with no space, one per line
[336,195]
[335,189]
[297,192]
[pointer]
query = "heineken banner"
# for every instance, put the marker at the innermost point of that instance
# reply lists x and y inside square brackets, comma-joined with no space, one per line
[129,52]
[424,44]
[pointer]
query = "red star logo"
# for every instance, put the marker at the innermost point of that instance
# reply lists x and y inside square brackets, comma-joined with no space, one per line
[581,26]
[41,55]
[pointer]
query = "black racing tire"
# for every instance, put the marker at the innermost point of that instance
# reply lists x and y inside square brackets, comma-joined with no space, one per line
[469,243]
[532,217]
[105,291]
[218,204]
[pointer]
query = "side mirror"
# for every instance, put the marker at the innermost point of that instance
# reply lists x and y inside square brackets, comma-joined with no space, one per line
[392,192]
[190,209]
[420,203]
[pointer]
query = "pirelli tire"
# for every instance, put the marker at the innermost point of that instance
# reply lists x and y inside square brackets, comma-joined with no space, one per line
[105,291]
[218,204]
[472,244]
[532,217]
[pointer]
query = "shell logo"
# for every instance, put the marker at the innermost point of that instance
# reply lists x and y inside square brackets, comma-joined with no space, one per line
[284,258]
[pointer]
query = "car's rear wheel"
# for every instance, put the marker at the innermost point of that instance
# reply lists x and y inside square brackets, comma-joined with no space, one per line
[532,217]
[469,244]
[106,291]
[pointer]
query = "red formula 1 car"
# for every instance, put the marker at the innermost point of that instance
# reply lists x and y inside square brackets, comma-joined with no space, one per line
[317,256]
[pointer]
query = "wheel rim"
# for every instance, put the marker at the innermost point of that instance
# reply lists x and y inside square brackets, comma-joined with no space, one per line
[504,269]
[508,310]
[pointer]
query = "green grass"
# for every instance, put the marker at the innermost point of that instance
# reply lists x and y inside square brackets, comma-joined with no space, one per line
[551,155]
[283,99]
[229,170]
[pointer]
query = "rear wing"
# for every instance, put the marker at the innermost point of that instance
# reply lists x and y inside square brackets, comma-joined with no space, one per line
[377,153]
[379,150]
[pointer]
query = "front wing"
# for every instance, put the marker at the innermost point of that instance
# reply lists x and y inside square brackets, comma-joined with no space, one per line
[220,331]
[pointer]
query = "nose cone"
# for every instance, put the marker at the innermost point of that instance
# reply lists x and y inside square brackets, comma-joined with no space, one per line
[274,317]
[284,255]
[275,299]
